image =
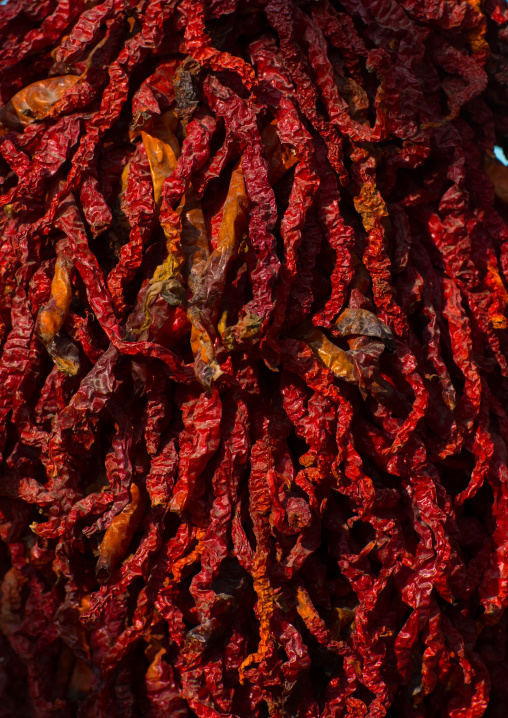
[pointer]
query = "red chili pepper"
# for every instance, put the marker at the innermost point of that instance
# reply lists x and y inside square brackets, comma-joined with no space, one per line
[253,358]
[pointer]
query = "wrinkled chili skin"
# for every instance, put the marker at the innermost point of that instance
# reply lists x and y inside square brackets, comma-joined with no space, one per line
[253,358]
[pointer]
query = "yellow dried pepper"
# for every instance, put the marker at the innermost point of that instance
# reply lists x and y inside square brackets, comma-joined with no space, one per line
[119,534]
[35,101]
[332,356]
[52,316]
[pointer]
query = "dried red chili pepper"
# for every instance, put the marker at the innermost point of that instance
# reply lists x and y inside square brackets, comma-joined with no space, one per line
[253,358]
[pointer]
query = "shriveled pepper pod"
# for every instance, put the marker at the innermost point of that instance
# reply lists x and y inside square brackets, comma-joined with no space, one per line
[119,534]
[253,359]
[52,316]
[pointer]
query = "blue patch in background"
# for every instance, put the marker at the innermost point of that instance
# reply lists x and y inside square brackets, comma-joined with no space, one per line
[498,151]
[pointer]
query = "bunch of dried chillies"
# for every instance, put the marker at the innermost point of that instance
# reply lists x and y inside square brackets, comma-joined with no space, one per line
[254,358]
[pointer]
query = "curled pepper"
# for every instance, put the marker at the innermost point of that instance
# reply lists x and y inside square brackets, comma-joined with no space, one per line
[52,316]
[332,356]
[119,534]
[34,101]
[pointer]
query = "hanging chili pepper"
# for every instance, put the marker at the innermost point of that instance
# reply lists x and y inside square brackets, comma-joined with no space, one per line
[253,358]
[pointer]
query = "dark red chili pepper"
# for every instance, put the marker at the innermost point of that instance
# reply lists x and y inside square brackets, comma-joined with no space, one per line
[253,358]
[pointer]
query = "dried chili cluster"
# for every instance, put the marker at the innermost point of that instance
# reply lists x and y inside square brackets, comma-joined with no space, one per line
[254,358]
